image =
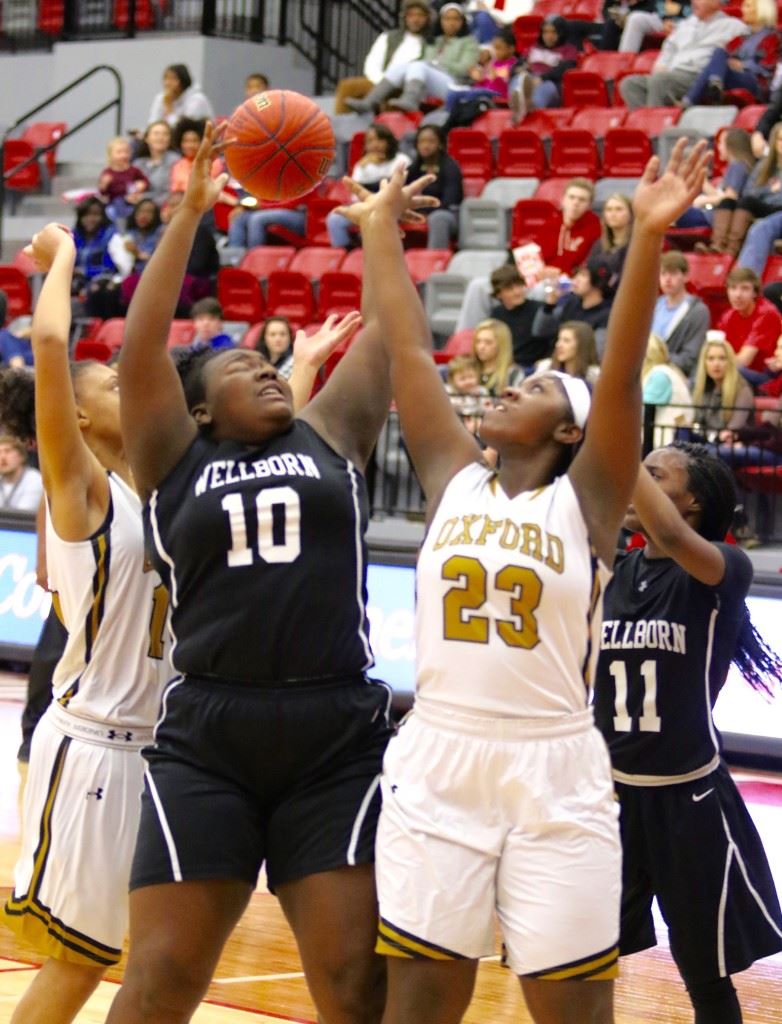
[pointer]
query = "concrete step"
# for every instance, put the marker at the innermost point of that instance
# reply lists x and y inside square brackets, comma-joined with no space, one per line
[45,206]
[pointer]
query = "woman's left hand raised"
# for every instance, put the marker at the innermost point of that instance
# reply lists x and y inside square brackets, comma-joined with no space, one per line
[203,190]
[660,199]
[404,201]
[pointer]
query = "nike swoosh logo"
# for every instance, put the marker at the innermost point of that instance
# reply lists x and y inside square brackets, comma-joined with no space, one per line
[696,797]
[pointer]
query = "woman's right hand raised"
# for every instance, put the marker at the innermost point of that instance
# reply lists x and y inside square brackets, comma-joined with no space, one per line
[403,201]
[47,243]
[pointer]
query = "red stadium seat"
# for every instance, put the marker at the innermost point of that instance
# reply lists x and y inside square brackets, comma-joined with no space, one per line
[353,262]
[51,16]
[583,89]
[493,122]
[315,233]
[583,10]
[261,260]
[180,333]
[645,61]
[289,295]
[29,178]
[573,152]
[626,152]
[17,291]
[87,348]
[532,220]
[748,117]
[460,343]
[355,150]
[598,120]
[471,149]
[41,134]
[423,262]
[250,339]
[772,272]
[652,120]
[240,295]
[316,260]
[545,121]
[473,186]
[526,29]
[400,122]
[708,273]
[607,63]
[686,238]
[520,154]
[338,293]
[112,332]
[552,190]
[145,14]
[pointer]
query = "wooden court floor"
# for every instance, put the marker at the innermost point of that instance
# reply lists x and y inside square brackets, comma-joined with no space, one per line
[259,977]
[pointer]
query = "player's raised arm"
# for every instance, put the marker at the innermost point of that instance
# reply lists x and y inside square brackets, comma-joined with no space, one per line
[438,443]
[156,425]
[75,483]
[604,471]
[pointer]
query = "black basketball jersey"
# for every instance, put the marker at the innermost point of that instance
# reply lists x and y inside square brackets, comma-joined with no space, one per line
[666,645]
[263,552]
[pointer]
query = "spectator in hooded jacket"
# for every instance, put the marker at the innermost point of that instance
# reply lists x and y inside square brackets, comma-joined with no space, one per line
[538,83]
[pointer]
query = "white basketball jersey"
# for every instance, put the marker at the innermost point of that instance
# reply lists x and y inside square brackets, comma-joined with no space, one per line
[507,591]
[115,608]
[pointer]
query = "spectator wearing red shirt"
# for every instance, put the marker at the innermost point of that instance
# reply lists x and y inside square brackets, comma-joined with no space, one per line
[752,324]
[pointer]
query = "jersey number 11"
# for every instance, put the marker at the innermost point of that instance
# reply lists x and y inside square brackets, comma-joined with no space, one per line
[649,720]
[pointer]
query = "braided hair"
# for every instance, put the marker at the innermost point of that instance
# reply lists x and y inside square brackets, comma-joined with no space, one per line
[711,482]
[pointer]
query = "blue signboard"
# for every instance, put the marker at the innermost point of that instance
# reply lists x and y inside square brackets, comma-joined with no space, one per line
[23,604]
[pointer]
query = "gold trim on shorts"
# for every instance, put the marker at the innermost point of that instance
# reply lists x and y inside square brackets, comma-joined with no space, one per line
[393,941]
[598,967]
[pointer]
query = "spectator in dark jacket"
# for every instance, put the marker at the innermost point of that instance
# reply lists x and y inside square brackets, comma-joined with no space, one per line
[518,312]
[539,78]
[587,302]
[680,319]
[431,158]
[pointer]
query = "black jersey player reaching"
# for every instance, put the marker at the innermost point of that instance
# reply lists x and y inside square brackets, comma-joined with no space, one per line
[674,619]
[270,741]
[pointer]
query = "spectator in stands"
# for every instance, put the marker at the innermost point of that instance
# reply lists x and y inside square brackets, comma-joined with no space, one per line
[187,139]
[518,313]
[463,386]
[485,16]
[489,77]
[575,352]
[769,381]
[446,63]
[493,351]
[20,485]
[431,158]
[91,233]
[587,301]
[722,398]
[746,62]
[680,319]
[248,228]
[760,243]
[132,250]
[771,115]
[616,225]
[665,387]
[207,316]
[255,83]
[204,262]
[752,324]
[684,54]
[155,160]
[179,98]
[121,183]
[395,48]
[761,197]
[380,158]
[626,24]
[537,83]
[275,343]
[15,349]
[735,150]
[576,231]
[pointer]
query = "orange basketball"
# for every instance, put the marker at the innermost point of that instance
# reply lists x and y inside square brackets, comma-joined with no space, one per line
[284,144]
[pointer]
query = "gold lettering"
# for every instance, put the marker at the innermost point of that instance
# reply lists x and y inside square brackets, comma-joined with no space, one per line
[489,527]
[464,537]
[445,533]
[509,538]
[532,543]
[555,554]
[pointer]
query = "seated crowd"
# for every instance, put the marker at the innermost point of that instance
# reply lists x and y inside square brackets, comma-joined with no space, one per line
[713,350]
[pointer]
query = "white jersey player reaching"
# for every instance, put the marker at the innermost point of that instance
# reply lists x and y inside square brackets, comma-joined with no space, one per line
[82,799]
[497,791]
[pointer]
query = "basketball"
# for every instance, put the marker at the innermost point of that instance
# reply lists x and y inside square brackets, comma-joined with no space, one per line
[282,146]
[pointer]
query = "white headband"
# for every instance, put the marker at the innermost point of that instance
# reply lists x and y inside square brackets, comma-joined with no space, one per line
[578,395]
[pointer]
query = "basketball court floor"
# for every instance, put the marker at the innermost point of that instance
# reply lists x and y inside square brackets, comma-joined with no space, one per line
[259,979]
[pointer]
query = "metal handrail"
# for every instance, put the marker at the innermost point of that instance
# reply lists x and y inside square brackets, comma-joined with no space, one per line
[116,102]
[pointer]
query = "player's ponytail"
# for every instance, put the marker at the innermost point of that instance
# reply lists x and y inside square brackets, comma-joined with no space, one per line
[17,403]
[711,482]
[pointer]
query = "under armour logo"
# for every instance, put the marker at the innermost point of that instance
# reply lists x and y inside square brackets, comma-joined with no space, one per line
[114,735]
[642,586]
[394,788]
[97,793]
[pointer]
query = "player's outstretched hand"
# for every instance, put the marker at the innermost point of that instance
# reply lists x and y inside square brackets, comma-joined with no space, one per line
[660,199]
[47,243]
[203,190]
[313,350]
[404,201]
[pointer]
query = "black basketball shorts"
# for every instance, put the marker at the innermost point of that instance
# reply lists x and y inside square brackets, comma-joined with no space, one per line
[240,776]
[695,847]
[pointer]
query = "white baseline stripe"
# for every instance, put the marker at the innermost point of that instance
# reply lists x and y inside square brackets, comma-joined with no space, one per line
[259,977]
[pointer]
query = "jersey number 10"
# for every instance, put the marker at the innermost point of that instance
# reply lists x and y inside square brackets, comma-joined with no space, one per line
[649,720]
[286,547]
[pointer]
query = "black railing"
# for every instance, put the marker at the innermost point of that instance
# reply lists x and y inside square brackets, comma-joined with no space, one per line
[753,452]
[333,35]
[113,104]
